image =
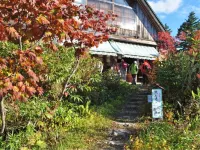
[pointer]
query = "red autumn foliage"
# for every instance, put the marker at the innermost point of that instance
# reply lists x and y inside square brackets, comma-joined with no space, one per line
[166,42]
[195,47]
[182,36]
[20,81]
[31,21]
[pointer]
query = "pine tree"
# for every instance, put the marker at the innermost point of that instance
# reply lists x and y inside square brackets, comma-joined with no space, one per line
[167,28]
[187,31]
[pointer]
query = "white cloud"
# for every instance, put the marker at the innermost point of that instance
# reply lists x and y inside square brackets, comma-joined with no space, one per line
[186,10]
[165,6]
[162,16]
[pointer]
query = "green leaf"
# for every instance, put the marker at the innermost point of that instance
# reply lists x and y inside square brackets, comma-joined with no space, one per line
[40,124]
[41,144]
[193,95]
[24,148]
[48,115]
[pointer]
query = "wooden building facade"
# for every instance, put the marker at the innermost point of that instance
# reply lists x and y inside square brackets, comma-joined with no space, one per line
[137,26]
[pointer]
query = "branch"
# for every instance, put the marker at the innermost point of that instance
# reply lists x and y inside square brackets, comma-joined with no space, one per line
[20,42]
[69,78]
[3,116]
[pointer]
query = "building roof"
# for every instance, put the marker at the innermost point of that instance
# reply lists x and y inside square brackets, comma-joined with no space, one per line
[151,14]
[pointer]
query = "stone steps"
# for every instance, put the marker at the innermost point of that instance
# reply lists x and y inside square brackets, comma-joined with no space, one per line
[132,109]
[134,103]
[127,117]
[130,112]
[138,96]
[118,137]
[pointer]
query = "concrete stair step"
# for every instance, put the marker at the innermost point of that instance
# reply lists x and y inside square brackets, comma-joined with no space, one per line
[131,107]
[139,95]
[127,118]
[120,134]
[129,112]
[117,145]
[135,103]
[138,99]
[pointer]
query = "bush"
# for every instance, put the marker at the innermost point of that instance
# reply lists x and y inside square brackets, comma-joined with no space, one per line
[162,135]
[177,74]
[44,122]
[6,48]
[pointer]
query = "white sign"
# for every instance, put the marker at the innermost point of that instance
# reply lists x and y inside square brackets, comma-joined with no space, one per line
[157,104]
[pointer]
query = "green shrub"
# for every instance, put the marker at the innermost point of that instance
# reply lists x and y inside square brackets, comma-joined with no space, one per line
[44,122]
[177,75]
[163,135]
[6,48]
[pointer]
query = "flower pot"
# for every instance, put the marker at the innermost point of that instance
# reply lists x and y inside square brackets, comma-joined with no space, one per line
[129,77]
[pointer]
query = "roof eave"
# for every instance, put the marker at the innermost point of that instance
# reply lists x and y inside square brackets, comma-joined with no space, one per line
[152,14]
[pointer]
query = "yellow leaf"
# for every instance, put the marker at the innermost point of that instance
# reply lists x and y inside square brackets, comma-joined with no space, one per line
[42,20]
[48,115]
[48,33]
[26,42]
[28,22]
[31,141]
[13,33]
[61,21]
[24,148]
[41,144]
[38,135]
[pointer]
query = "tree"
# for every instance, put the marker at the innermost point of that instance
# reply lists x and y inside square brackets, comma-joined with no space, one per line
[196,42]
[30,22]
[166,42]
[187,31]
[167,28]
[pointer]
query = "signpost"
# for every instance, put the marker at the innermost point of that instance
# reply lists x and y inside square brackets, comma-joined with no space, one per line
[157,104]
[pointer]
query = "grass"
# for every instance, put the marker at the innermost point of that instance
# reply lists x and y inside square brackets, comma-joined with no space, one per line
[42,124]
[91,132]
[167,136]
[88,132]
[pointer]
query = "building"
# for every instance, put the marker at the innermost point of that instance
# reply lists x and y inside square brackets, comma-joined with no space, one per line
[137,27]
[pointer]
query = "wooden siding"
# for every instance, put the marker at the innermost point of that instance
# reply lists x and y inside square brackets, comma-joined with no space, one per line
[133,22]
[146,29]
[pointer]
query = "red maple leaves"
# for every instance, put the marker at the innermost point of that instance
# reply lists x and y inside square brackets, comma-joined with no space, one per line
[166,42]
[19,75]
[62,20]
[33,21]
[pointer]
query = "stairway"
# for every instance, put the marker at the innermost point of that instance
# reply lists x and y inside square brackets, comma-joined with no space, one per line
[126,120]
[134,108]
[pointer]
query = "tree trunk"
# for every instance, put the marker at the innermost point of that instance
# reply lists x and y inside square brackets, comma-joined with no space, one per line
[3,116]
[66,84]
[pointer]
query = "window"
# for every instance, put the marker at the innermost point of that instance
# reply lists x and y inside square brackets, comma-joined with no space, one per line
[80,1]
[101,5]
[106,7]
[93,3]
[121,2]
[126,15]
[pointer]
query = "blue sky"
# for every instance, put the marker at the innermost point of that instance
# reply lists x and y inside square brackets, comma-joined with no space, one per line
[174,12]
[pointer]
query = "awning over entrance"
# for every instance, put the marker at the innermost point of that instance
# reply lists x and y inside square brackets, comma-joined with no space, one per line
[104,49]
[135,51]
[127,50]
